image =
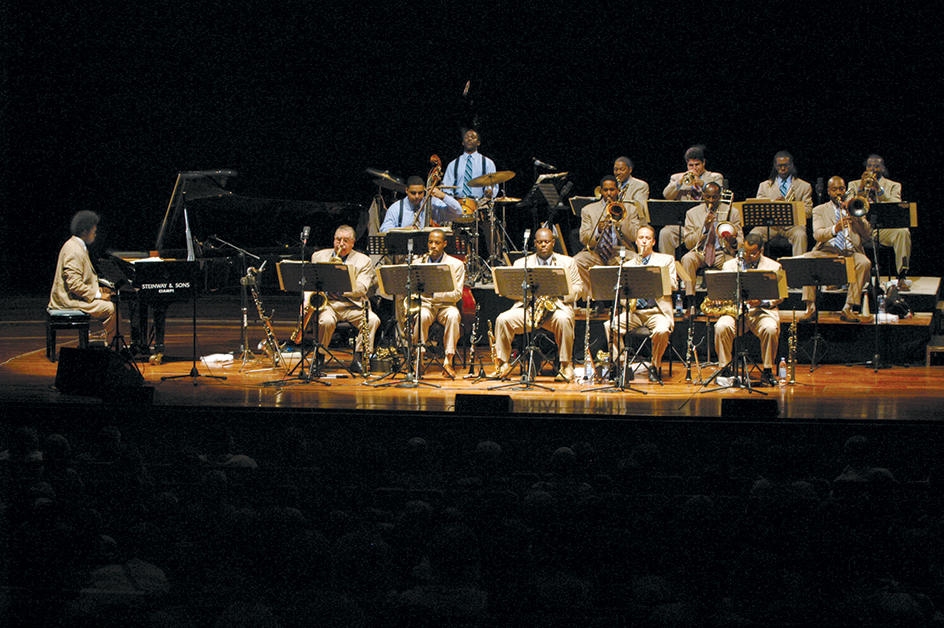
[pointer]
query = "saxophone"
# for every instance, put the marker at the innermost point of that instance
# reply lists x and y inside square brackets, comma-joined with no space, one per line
[365,333]
[270,345]
[543,307]
[316,301]
[491,345]
[589,369]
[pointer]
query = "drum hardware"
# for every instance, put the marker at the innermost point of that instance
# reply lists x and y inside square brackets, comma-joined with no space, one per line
[493,178]
[386,180]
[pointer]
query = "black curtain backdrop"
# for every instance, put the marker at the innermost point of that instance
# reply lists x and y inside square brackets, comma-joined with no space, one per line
[103,104]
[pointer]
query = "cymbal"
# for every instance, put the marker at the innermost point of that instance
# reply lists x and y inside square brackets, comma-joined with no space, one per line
[487,180]
[506,199]
[387,180]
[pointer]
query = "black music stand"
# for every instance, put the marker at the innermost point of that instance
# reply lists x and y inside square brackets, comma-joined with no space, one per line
[628,282]
[743,286]
[763,213]
[184,275]
[327,277]
[526,285]
[819,272]
[403,281]
[666,213]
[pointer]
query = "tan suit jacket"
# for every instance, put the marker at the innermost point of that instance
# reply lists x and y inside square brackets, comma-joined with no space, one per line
[590,218]
[565,262]
[695,222]
[802,191]
[458,275]
[637,193]
[673,192]
[76,283]
[364,276]
[764,263]
[890,190]
[664,303]
[824,220]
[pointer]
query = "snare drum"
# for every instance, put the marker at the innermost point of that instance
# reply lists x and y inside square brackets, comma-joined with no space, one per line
[469,207]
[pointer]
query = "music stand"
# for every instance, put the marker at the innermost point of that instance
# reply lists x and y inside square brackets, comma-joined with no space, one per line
[184,275]
[743,286]
[764,213]
[327,277]
[527,285]
[817,271]
[628,282]
[665,213]
[404,281]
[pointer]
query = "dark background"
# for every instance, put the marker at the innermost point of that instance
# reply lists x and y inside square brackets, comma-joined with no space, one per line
[104,103]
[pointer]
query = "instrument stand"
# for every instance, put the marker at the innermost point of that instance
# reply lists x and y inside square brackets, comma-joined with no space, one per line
[194,373]
[527,284]
[818,272]
[428,279]
[473,348]
[245,354]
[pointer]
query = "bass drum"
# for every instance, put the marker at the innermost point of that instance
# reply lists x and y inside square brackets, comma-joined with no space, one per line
[469,207]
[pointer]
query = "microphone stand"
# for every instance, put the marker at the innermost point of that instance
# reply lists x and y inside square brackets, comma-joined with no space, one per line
[246,353]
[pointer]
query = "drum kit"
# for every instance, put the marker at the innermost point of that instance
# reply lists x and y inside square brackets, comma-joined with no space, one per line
[475,212]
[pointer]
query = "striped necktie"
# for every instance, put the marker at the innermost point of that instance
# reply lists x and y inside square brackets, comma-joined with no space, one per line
[466,191]
[642,304]
[606,244]
[784,188]
[842,243]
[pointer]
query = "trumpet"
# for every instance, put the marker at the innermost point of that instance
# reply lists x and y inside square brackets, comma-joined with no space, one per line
[689,178]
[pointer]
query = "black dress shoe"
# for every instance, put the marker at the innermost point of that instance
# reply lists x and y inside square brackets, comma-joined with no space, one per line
[767,378]
[356,366]
[654,376]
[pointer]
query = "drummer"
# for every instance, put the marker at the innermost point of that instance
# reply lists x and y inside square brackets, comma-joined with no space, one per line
[463,169]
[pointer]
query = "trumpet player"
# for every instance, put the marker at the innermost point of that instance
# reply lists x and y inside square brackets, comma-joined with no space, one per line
[784,185]
[656,314]
[762,318]
[686,186]
[560,321]
[605,226]
[442,305]
[710,246]
[348,306]
[632,190]
[410,210]
[838,233]
[878,189]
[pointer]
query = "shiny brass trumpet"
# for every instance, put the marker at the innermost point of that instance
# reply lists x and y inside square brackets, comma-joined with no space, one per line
[688,178]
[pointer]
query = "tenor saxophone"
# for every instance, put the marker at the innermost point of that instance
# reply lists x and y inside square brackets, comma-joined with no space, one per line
[270,345]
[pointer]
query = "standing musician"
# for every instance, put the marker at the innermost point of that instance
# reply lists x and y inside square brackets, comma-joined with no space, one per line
[75,286]
[707,246]
[838,233]
[560,321]
[467,166]
[655,314]
[882,190]
[603,233]
[442,305]
[784,185]
[348,306]
[632,190]
[686,186]
[762,317]
[411,210]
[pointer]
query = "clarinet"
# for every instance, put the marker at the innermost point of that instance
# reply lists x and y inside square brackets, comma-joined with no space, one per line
[475,331]
[270,345]
[590,370]
[365,334]
[688,353]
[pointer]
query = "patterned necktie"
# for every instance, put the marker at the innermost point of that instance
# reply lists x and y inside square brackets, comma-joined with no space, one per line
[710,247]
[841,242]
[466,191]
[606,244]
[642,304]
[784,188]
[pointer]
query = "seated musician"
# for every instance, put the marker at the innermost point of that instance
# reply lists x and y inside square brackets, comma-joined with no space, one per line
[442,305]
[879,189]
[602,235]
[784,185]
[707,246]
[410,211]
[838,233]
[655,314]
[348,306]
[560,321]
[635,191]
[762,317]
[686,186]
[76,285]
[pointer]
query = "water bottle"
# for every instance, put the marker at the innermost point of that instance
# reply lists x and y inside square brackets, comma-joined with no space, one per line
[881,304]
[678,304]
[782,372]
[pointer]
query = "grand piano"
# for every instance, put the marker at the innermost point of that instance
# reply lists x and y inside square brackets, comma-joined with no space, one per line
[196,249]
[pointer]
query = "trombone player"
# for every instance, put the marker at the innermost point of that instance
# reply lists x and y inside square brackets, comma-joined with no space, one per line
[839,233]
[605,226]
[442,305]
[784,185]
[712,233]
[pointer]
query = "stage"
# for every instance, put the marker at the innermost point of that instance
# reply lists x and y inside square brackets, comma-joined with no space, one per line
[832,391]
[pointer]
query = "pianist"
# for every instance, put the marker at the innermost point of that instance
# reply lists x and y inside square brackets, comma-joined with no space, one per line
[75,286]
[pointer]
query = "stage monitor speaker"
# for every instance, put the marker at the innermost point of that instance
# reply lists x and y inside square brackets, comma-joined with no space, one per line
[750,409]
[95,372]
[483,404]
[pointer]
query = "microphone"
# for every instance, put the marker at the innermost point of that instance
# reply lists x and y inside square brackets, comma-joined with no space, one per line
[543,164]
[409,247]
[622,253]
[563,193]
[527,234]
[819,186]
[264,262]
[306,231]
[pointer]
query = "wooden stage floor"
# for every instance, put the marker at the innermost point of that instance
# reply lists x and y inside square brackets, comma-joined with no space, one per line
[831,392]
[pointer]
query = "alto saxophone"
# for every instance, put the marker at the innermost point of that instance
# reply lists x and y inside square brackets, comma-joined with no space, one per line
[270,345]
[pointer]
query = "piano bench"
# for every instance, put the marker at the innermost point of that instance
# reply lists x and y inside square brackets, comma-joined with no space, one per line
[65,319]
